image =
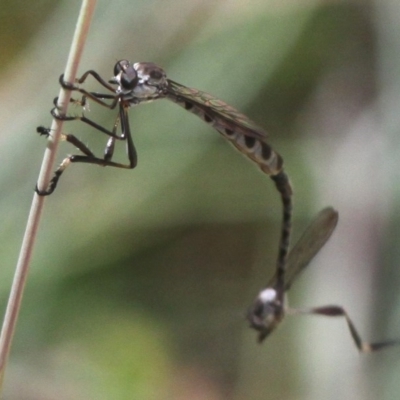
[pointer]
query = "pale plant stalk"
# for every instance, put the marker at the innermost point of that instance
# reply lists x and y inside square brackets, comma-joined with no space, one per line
[22,267]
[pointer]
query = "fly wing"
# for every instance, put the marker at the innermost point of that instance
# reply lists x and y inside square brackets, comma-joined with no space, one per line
[219,111]
[310,243]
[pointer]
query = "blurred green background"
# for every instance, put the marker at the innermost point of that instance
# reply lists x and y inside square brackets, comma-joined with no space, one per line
[141,279]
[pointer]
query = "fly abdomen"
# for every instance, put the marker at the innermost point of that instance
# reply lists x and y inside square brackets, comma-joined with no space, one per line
[258,151]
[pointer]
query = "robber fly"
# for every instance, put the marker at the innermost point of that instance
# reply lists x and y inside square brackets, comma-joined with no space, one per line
[269,308]
[143,82]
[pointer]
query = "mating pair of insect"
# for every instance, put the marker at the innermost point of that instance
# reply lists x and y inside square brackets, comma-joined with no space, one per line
[137,83]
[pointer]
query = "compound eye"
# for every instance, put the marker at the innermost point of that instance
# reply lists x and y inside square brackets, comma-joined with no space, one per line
[129,78]
[121,65]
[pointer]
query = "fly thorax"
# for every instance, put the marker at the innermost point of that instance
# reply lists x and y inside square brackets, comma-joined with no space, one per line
[145,93]
[152,82]
[267,295]
[269,305]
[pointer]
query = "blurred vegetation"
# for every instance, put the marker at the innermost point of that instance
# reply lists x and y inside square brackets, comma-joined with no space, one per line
[141,279]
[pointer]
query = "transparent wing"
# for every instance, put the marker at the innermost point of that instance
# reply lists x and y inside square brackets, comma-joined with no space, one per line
[219,111]
[310,243]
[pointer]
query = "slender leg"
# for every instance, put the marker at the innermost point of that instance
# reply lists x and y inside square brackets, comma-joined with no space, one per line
[97,97]
[68,138]
[79,102]
[87,121]
[338,311]
[96,76]
[89,157]
[93,95]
